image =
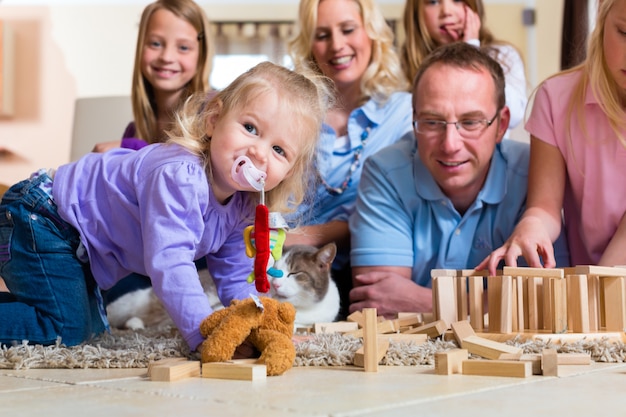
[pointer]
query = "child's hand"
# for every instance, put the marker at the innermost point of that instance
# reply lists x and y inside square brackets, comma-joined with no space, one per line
[471,28]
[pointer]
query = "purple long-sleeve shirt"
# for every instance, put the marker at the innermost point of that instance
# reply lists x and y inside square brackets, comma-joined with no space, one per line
[129,139]
[153,212]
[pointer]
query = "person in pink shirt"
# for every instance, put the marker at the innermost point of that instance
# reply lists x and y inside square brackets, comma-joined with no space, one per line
[578,157]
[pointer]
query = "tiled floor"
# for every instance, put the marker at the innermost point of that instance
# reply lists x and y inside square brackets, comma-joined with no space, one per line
[581,390]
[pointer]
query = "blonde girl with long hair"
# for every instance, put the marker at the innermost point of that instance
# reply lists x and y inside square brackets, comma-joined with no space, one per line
[578,155]
[173,60]
[349,42]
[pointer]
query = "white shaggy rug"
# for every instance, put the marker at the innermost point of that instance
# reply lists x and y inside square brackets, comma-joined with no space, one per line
[135,349]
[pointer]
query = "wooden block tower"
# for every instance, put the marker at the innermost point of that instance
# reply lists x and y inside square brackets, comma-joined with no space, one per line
[581,299]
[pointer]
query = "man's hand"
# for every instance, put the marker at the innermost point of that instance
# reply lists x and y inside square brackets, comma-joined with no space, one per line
[389,293]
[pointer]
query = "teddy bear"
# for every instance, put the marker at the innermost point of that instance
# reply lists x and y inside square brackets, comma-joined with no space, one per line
[264,322]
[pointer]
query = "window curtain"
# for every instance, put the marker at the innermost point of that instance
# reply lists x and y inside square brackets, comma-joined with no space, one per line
[575,31]
[257,38]
[253,38]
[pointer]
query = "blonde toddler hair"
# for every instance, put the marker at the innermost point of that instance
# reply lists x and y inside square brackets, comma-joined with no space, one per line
[308,99]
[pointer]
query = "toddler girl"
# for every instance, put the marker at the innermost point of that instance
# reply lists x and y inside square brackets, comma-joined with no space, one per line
[67,233]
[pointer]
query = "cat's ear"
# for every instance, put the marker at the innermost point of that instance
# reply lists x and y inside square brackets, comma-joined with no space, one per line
[326,254]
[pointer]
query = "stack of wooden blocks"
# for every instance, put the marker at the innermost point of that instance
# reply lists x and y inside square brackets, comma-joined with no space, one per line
[582,299]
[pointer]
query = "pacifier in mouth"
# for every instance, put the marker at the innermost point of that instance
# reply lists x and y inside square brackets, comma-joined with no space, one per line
[246,174]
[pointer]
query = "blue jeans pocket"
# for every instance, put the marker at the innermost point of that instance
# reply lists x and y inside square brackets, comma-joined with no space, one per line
[6,233]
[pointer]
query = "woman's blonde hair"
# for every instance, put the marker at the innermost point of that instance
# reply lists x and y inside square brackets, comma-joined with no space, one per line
[307,98]
[142,95]
[596,75]
[384,74]
[418,43]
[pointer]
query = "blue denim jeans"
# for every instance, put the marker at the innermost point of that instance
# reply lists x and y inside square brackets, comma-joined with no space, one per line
[53,294]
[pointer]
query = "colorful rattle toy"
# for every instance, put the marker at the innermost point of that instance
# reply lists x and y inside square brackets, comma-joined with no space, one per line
[264,241]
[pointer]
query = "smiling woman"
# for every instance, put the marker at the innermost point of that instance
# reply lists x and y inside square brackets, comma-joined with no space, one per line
[349,42]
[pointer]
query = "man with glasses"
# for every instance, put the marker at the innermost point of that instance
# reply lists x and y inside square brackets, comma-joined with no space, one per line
[444,197]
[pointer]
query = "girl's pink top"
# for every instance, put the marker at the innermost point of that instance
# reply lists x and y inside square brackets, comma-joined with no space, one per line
[595,190]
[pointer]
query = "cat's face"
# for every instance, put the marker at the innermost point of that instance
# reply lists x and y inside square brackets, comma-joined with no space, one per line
[306,275]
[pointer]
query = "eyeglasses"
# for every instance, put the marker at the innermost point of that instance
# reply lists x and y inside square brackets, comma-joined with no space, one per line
[468,128]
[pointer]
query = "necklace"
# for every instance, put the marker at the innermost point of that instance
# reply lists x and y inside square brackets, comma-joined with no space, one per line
[355,164]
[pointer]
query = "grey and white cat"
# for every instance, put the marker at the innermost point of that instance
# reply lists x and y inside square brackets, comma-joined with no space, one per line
[307,283]
[142,309]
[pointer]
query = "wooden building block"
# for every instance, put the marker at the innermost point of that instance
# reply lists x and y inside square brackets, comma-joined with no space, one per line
[450,361]
[304,329]
[614,303]
[382,345]
[593,294]
[175,371]
[370,343]
[602,271]
[573,359]
[494,303]
[162,362]
[387,326]
[381,327]
[535,361]
[519,305]
[335,327]
[356,317]
[533,358]
[461,298]
[475,273]
[577,304]
[418,338]
[548,299]
[549,362]
[506,305]
[444,298]
[462,330]
[409,320]
[476,307]
[533,272]
[432,330]
[428,317]
[558,305]
[487,348]
[517,369]
[534,289]
[243,371]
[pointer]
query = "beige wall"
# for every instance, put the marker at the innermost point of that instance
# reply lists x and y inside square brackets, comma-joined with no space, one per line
[60,57]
